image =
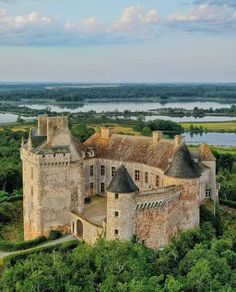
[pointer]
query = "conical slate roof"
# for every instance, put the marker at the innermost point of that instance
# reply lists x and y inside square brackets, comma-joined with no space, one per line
[183,165]
[122,182]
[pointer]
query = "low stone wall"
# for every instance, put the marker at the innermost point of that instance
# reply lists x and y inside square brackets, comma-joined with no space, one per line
[85,229]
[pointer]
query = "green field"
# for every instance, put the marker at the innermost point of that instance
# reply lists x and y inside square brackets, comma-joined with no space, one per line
[213,126]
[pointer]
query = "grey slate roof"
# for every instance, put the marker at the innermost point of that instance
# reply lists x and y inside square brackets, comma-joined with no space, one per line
[37,140]
[122,182]
[183,165]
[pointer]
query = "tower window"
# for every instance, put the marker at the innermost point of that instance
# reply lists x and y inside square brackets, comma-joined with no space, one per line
[146,177]
[157,181]
[116,232]
[116,196]
[32,191]
[102,169]
[208,193]
[102,187]
[137,175]
[91,170]
[113,170]
[116,214]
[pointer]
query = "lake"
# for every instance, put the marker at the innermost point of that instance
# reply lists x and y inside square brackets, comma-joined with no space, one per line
[215,139]
[100,107]
[187,119]
[10,118]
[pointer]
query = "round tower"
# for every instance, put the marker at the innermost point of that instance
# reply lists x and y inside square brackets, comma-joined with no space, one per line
[121,206]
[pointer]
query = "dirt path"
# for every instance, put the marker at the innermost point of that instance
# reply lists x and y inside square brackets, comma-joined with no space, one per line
[49,243]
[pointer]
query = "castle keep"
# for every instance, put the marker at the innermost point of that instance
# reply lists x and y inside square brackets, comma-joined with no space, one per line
[148,187]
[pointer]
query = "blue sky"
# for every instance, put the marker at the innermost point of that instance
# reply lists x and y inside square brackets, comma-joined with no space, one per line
[118,41]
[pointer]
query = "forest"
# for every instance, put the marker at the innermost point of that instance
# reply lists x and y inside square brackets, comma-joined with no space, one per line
[137,92]
[202,259]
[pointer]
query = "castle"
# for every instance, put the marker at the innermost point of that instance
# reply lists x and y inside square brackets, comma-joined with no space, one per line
[148,187]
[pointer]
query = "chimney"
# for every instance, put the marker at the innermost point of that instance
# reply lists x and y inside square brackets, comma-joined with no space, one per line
[157,136]
[106,133]
[179,140]
[42,125]
[53,123]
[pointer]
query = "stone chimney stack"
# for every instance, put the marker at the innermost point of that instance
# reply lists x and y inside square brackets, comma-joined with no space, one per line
[157,136]
[179,140]
[54,123]
[42,125]
[106,133]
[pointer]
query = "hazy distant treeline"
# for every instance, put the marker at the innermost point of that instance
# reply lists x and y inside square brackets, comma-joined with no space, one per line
[123,92]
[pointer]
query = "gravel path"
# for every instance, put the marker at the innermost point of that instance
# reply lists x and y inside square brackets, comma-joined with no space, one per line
[49,243]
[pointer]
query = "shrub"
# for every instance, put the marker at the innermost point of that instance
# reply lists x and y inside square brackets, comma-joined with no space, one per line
[87,200]
[54,234]
[69,245]
[14,246]
[228,203]
[207,216]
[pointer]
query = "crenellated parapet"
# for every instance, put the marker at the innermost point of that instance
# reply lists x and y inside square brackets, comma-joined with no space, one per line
[157,198]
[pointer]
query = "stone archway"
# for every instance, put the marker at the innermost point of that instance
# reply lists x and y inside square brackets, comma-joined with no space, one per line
[79,230]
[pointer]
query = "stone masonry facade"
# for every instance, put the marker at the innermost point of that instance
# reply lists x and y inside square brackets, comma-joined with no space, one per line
[112,186]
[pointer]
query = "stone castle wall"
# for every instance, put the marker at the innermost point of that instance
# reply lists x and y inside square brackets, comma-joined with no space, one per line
[156,226]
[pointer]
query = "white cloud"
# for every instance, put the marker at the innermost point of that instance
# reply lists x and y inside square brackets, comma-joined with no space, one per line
[37,29]
[216,2]
[135,20]
[206,17]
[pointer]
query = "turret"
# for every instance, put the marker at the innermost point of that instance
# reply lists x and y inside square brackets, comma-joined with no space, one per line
[207,158]
[30,143]
[121,206]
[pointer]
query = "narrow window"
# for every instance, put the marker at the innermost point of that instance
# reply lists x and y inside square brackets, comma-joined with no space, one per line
[116,214]
[91,170]
[32,191]
[102,169]
[32,172]
[102,187]
[157,181]
[113,170]
[146,177]
[137,175]
[116,231]
[116,196]
[208,193]
[91,189]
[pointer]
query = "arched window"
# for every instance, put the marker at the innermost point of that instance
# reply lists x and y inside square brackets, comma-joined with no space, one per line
[79,228]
